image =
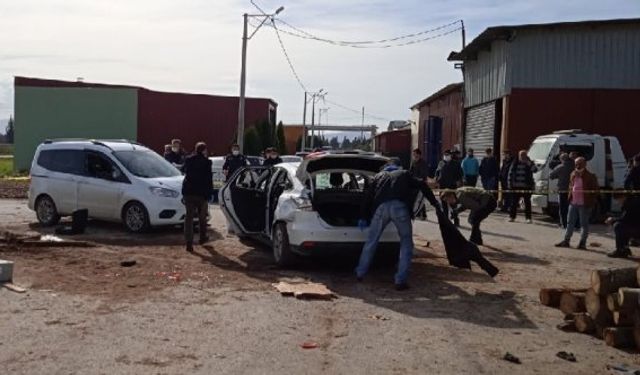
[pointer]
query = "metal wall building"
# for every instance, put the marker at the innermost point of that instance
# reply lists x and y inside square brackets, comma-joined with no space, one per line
[61,109]
[524,81]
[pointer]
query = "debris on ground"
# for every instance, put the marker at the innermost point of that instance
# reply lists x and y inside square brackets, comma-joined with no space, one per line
[304,290]
[128,263]
[171,276]
[511,358]
[50,238]
[379,317]
[623,369]
[566,356]
[309,345]
[14,288]
[595,244]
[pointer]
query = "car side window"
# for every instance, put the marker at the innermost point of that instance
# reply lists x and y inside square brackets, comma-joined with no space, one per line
[99,166]
[62,161]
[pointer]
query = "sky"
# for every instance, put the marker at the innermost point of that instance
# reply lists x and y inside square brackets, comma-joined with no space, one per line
[195,46]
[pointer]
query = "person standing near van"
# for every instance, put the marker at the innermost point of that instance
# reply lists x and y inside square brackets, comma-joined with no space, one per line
[583,194]
[627,225]
[507,159]
[489,171]
[449,176]
[470,169]
[521,183]
[197,189]
[562,173]
[632,179]
[233,161]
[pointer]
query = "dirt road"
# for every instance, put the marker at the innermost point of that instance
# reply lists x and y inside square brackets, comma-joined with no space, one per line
[216,312]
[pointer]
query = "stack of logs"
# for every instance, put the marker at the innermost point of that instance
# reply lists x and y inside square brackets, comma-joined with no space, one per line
[610,309]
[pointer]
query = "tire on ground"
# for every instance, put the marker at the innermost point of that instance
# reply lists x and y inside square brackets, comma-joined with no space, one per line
[46,211]
[282,254]
[135,217]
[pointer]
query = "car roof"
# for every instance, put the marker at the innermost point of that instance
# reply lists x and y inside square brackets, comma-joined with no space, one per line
[112,144]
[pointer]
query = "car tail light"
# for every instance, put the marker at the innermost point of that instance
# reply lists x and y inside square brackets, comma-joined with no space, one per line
[303,204]
[308,244]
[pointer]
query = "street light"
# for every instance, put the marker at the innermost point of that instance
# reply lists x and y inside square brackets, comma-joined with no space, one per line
[243,71]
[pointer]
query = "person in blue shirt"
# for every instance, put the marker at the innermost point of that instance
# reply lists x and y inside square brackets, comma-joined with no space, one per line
[470,169]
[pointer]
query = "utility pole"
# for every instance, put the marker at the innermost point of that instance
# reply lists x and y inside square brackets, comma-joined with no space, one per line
[313,119]
[362,130]
[243,69]
[304,124]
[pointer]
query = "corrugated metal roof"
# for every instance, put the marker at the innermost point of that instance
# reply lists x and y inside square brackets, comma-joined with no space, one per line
[484,40]
[443,91]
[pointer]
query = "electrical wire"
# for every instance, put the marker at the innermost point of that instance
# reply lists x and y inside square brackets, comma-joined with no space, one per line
[286,55]
[356,111]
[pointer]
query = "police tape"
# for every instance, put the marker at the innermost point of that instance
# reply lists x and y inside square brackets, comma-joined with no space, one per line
[547,192]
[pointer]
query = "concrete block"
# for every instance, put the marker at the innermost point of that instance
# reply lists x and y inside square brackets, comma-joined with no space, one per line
[6,271]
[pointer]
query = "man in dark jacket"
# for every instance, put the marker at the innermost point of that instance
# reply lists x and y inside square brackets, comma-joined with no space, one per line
[419,170]
[507,159]
[389,199]
[449,176]
[489,171]
[271,157]
[627,225]
[562,173]
[233,161]
[176,155]
[632,180]
[197,189]
[521,182]
[481,204]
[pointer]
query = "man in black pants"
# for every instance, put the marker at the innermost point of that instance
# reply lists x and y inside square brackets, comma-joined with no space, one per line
[197,189]
[626,226]
[521,182]
[480,202]
[562,173]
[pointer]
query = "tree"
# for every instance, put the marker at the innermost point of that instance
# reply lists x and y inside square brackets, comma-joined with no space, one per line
[334,143]
[281,142]
[9,132]
[346,144]
[317,142]
[252,143]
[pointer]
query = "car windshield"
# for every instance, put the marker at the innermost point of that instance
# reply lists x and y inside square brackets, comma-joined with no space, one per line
[146,164]
[540,150]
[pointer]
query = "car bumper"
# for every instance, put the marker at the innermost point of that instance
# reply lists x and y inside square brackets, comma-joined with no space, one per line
[166,211]
[308,227]
[338,248]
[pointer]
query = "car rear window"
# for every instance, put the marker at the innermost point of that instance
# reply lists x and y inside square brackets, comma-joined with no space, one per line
[63,161]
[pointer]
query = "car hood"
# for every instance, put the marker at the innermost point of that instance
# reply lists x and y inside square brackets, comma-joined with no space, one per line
[314,163]
[174,183]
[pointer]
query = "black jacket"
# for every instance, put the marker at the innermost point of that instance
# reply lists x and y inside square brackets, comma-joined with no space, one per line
[489,167]
[419,169]
[449,174]
[268,162]
[630,212]
[632,180]
[396,185]
[530,169]
[198,178]
[177,158]
[504,172]
[232,163]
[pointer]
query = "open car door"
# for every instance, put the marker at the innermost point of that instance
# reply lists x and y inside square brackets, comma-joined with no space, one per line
[244,200]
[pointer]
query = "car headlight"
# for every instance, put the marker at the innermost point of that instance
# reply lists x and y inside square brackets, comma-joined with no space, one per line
[163,192]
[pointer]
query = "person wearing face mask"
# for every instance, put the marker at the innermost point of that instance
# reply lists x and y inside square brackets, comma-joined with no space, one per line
[449,176]
[233,161]
[197,189]
[521,182]
[272,157]
[176,155]
[470,169]
[583,194]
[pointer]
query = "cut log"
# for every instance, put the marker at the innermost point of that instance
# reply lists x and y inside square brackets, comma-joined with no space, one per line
[607,281]
[619,337]
[572,302]
[623,318]
[597,308]
[628,298]
[551,296]
[612,302]
[584,323]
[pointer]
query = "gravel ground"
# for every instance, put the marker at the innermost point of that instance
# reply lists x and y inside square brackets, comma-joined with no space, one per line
[216,312]
[13,188]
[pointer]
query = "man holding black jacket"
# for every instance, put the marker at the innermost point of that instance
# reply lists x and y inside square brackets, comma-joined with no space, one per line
[197,189]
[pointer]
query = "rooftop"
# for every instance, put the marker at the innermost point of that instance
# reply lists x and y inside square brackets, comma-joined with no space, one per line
[484,40]
[443,91]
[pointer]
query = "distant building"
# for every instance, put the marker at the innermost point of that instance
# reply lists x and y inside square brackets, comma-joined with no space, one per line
[437,123]
[524,81]
[398,124]
[62,109]
[395,143]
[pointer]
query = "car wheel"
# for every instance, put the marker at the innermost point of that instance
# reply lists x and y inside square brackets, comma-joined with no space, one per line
[135,217]
[282,254]
[46,211]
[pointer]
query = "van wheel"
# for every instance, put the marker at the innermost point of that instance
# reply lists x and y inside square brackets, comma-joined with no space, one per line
[135,217]
[282,254]
[46,211]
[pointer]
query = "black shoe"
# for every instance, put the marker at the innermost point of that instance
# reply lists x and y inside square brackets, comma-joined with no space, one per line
[582,246]
[190,247]
[624,253]
[563,244]
[401,287]
[204,240]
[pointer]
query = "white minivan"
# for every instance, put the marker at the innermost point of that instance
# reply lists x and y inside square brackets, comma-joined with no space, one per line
[604,158]
[115,180]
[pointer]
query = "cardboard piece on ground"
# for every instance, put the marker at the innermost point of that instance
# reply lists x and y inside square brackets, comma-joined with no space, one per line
[14,288]
[304,290]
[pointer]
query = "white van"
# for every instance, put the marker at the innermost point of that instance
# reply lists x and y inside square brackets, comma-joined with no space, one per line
[115,180]
[604,158]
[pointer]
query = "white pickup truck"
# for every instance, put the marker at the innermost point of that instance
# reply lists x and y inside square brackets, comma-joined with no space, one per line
[604,158]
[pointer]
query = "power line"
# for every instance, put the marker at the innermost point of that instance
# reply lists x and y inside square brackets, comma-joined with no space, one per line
[357,111]
[286,55]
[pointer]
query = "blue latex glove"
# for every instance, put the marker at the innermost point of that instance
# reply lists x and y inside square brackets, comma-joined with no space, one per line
[362,224]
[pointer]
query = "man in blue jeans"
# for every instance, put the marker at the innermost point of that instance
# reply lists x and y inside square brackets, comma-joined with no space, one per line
[389,199]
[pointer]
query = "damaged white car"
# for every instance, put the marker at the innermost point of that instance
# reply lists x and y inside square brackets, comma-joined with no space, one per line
[304,208]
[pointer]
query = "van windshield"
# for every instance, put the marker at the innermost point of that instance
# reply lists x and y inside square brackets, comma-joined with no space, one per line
[146,164]
[540,150]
